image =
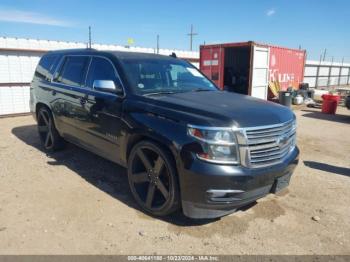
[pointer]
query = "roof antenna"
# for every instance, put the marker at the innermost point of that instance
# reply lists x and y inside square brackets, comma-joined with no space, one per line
[89,44]
[173,55]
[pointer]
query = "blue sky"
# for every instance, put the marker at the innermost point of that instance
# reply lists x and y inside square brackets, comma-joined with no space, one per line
[315,25]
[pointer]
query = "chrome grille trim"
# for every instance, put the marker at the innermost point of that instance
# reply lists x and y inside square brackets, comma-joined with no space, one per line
[267,145]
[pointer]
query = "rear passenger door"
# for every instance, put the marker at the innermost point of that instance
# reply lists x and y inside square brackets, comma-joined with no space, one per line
[70,93]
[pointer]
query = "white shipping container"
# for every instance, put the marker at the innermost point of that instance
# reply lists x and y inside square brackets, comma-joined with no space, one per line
[310,71]
[45,45]
[324,71]
[14,99]
[330,73]
[322,81]
[4,69]
[343,80]
[17,69]
[333,80]
[19,66]
[335,71]
[310,80]
[345,71]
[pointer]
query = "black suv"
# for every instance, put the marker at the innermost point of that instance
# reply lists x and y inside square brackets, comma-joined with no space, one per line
[185,143]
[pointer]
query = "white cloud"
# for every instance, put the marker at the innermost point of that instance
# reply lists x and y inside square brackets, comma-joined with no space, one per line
[271,12]
[19,16]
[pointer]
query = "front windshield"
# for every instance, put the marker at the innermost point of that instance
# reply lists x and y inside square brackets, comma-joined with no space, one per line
[152,76]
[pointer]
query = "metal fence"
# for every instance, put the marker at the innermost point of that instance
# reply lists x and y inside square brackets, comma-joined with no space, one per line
[326,74]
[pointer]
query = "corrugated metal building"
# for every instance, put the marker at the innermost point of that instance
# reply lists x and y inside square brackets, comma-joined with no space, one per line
[19,57]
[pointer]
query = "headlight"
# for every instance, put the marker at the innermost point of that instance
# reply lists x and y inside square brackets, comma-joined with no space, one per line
[219,144]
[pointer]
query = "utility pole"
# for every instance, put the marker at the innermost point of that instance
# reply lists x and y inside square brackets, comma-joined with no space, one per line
[191,34]
[157,44]
[340,71]
[89,45]
[330,72]
[324,54]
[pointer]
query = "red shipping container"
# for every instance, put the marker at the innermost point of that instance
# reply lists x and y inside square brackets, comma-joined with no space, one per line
[248,67]
[286,66]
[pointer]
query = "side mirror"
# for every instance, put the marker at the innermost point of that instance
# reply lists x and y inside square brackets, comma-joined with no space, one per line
[106,86]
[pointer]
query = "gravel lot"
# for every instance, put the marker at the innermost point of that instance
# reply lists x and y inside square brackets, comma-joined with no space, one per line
[73,202]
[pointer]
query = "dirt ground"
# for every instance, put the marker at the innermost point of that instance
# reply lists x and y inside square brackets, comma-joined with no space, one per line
[73,202]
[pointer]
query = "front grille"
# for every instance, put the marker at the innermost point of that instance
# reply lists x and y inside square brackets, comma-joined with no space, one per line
[269,145]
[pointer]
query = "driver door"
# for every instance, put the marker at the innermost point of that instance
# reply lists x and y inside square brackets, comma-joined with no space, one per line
[103,124]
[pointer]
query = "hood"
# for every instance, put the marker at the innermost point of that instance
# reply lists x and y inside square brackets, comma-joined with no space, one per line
[218,108]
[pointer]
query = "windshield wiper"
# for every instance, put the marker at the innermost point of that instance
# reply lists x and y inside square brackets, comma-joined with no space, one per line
[173,92]
[160,93]
[201,90]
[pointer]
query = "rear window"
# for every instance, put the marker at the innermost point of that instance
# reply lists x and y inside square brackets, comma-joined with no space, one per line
[73,70]
[45,67]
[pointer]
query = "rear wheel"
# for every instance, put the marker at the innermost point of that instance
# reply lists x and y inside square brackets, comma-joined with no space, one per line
[152,179]
[48,133]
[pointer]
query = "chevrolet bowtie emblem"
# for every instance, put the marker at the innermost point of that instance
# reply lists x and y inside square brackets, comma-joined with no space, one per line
[282,141]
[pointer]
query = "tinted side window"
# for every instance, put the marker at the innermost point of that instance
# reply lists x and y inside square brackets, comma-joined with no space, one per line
[44,69]
[101,69]
[73,70]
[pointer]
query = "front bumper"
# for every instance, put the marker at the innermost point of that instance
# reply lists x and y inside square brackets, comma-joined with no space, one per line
[212,190]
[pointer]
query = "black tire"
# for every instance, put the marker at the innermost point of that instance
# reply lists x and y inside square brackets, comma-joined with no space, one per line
[153,179]
[49,136]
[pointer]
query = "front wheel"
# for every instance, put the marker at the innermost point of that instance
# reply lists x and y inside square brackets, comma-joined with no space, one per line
[152,179]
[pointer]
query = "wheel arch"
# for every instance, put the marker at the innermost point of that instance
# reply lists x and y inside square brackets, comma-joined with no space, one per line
[135,138]
[40,105]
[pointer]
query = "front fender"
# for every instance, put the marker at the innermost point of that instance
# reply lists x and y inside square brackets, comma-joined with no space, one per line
[168,132]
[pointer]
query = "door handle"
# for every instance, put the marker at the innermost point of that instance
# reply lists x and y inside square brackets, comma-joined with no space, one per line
[83,100]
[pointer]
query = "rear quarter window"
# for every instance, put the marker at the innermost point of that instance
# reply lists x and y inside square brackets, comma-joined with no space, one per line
[45,68]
